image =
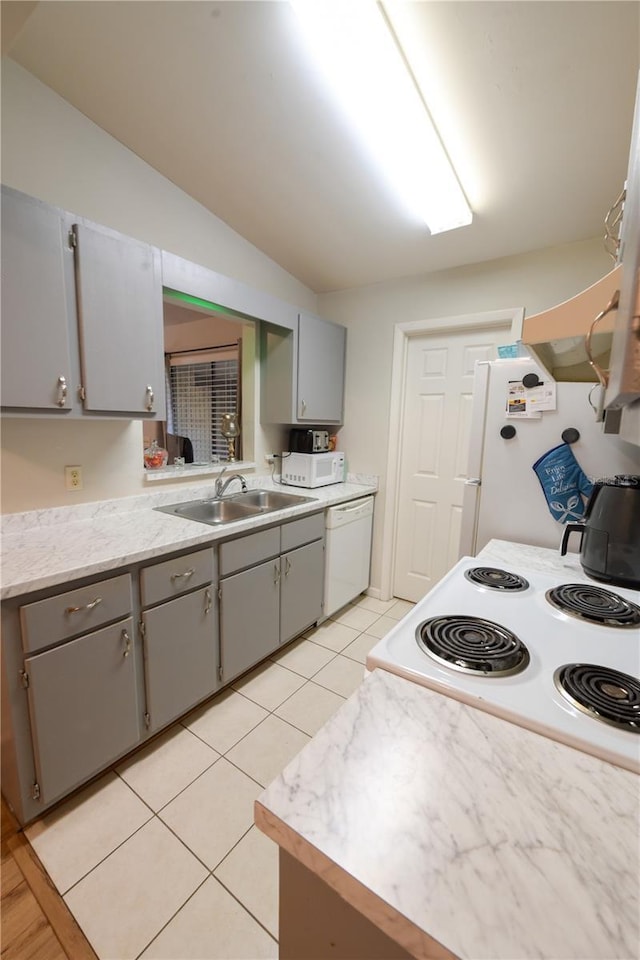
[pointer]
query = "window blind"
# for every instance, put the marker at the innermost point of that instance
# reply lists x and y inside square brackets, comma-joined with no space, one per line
[201,390]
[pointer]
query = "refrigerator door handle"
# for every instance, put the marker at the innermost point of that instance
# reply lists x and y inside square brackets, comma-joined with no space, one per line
[473,482]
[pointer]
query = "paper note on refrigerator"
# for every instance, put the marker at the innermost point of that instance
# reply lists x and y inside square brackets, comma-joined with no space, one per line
[542,397]
[518,405]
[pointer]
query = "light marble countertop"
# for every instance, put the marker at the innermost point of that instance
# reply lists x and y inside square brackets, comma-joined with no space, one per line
[440,822]
[503,553]
[45,548]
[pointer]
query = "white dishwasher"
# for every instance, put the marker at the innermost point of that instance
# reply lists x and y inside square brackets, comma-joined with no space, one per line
[348,552]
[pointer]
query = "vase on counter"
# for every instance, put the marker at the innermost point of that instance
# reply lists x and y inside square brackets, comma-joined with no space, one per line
[155,456]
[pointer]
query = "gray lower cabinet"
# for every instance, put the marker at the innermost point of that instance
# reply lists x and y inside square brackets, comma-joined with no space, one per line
[180,656]
[83,707]
[90,673]
[301,589]
[266,602]
[249,617]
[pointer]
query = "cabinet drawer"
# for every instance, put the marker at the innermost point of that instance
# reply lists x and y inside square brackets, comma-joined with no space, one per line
[173,577]
[78,611]
[298,532]
[249,550]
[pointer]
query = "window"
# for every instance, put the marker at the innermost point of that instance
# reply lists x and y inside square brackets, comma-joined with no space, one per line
[204,384]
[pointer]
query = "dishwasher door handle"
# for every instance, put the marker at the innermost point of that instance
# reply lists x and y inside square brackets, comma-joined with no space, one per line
[360,506]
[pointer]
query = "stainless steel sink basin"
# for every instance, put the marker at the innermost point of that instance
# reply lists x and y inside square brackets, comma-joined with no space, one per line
[270,499]
[212,511]
[252,503]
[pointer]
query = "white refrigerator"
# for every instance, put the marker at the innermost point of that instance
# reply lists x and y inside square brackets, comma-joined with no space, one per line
[503,498]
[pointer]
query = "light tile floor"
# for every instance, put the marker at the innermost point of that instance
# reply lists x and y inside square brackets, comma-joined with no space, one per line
[159,858]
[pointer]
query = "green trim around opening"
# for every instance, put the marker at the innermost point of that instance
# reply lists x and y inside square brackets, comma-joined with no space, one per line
[204,304]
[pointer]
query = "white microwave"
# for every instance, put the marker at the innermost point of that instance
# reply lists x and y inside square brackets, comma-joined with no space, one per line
[312,469]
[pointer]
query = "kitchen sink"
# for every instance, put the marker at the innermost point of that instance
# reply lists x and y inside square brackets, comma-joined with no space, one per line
[270,499]
[239,506]
[212,511]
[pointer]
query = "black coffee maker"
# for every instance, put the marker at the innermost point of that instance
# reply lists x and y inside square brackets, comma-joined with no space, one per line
[610,544]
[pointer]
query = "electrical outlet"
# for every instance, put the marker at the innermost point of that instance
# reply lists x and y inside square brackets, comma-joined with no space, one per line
[73,478]
[269,458]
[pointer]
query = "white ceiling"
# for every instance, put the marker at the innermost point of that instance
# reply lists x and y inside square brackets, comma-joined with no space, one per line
[535,100]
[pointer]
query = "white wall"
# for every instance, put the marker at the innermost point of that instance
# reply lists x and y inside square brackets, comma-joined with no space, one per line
[52,151]
[535,281]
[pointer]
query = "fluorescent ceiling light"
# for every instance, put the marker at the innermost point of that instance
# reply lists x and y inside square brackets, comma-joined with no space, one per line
[356,50]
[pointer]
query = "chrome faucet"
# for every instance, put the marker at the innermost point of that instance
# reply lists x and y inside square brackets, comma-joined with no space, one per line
[222,486]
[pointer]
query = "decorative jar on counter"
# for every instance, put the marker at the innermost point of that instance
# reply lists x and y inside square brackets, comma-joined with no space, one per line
[155,456]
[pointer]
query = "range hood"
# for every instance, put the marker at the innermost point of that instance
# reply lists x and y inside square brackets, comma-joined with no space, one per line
[557,337]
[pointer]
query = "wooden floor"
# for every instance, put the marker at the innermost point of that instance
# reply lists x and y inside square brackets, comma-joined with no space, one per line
[35,921]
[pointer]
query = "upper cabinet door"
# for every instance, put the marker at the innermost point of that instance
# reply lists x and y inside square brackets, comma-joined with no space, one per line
[119,292]
[36,367]
[303,372]
[624,379]
[321,360]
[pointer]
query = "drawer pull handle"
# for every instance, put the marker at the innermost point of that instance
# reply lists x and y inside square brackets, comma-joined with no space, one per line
[87,606]
[127,643]
[150,397]
[62,391]
[183,576]
[207,601]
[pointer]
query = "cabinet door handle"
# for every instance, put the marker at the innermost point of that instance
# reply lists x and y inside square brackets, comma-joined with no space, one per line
[276,573]
[150,397]
[602,375]
[62,391]
[88,606]
[127,643]
[207,601]
[303,407]
[287,566]
[185,575]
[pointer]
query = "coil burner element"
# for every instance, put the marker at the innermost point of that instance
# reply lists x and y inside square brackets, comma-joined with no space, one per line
[472,645]
[594,604]
[496,579]
[603,693]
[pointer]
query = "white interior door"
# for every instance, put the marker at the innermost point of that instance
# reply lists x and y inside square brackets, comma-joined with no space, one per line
[434,445]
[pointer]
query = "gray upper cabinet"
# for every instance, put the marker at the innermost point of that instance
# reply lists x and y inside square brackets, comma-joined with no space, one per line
[624,374]
[119,291]
[37,264]
[321,359]
[82,326]
[303,372]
